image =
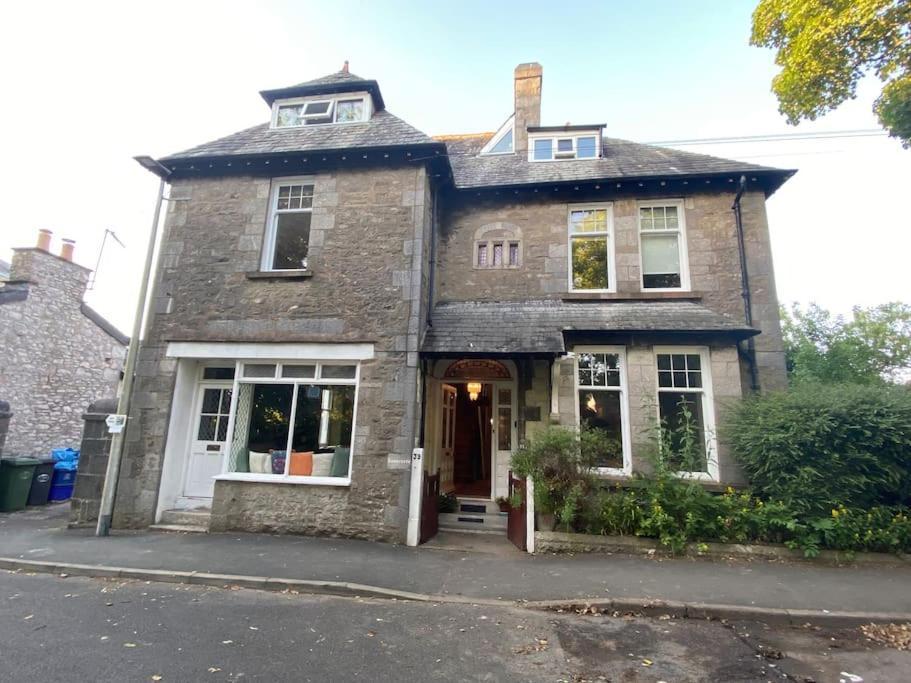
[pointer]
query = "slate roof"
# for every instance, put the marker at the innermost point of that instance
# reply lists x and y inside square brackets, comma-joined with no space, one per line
[621,159]
[339,82]
[383,130]
[104,324]
[538,326]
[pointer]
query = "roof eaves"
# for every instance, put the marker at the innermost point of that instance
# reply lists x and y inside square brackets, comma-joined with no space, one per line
[104,324]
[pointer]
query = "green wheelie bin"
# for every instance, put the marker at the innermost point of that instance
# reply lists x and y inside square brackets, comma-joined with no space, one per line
[15,482]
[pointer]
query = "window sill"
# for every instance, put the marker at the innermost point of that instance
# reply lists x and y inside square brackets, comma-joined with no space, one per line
[630,296]
[281,479]
[279,274]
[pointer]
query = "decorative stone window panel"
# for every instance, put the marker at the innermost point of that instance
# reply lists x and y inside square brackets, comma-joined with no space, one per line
[497,246]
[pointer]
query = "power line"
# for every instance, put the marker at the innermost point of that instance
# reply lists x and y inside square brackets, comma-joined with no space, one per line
[775,137]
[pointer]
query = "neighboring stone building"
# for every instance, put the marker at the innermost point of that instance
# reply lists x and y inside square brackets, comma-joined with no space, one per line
[336,288]
[57,355]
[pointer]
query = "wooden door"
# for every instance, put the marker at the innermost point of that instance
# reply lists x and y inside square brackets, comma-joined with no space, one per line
[516,521]
[447,437]
[503,421]
[207,440]
[430,506]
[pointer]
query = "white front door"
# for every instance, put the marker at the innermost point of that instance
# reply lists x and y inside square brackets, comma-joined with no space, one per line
[503,422]
[207,439]
[447,438]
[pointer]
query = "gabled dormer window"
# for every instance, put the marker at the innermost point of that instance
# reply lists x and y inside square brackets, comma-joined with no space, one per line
[502,141]
[563,147]
[299,112]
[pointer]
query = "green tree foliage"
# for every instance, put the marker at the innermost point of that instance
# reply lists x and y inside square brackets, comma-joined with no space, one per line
[826,46]
[873,347]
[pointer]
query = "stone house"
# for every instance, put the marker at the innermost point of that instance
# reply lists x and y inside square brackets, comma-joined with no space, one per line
[336,288]
[57,355]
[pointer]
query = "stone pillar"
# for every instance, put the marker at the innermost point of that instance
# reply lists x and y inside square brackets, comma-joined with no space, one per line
[93,462]
[5,416]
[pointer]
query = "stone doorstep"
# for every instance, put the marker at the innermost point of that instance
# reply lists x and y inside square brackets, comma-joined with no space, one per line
[560,542]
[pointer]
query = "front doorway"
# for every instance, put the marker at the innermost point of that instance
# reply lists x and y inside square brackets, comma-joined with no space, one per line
[208,433]
[471,452]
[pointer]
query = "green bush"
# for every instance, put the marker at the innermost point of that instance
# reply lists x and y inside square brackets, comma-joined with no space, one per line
[817,447]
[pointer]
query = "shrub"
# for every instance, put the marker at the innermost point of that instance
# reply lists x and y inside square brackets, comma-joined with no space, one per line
[817,447]
[561,463]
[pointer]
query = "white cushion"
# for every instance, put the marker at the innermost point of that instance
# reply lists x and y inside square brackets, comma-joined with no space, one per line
[260,463]
[322,464]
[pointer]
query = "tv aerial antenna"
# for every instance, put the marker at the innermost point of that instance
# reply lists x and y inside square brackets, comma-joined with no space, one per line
[104,240]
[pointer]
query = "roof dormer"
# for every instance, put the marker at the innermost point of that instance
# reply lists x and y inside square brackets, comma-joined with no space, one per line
[339,98]
[563,143]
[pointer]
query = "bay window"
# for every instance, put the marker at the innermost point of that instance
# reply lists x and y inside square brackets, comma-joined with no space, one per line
[591,248]
[686,412]
[662,241]
[293,420]
[602,403]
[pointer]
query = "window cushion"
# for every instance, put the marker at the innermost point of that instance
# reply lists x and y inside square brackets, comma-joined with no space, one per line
[278,461]
[260,463]
[339,466]
[301,463]
[322,464]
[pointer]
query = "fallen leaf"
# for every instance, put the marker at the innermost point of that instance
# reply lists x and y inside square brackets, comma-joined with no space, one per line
[156,677]
[647,662]
[226,642]
[129,644]
[214,669]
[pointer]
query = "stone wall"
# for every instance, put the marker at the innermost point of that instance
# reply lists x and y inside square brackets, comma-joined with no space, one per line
[711,242]
[54,360]
[94,450]
[367,259]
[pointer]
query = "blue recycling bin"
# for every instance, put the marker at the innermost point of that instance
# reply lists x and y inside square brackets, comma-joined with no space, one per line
[66,463]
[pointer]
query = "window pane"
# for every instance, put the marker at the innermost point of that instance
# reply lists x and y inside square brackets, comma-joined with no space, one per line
[317,107]
[218,373]
[225,402]
[206,430]
[661,261]
[665,379]
[323,418]
[565,145]
[678,361]
[294,197]
[289,115]
[504,145]
[210,400]
[684,427]
[544,149]
[222,428]
[588,220]
[270,415]
[498,254]
[349,110]
[513,253]
[664,361]
[259,370]
[601,410]
[586,148]
[504,428]
[298,371]
[693,361]
[338,371]
[292,237]
[482,254]
[671,218]
[589,258]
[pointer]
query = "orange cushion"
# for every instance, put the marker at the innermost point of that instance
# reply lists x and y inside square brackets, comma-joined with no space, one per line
[301,463]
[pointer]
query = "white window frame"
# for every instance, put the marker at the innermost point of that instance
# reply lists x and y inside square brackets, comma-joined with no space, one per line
[623,390]
[608,234]
[333,109]
[681,243]
[708,405]
[554,138]
[507,127]
[268,250]
[295,381]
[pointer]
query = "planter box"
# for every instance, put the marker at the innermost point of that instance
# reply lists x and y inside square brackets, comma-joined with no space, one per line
[558,542]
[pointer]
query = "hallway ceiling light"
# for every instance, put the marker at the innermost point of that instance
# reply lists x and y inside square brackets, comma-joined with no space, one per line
[474,388]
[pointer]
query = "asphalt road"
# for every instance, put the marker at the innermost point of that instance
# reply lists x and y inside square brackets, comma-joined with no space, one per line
[64,629]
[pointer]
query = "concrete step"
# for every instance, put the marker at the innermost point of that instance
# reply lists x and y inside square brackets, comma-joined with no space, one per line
[183,528]
[472,521]
[188,520]
[478,506]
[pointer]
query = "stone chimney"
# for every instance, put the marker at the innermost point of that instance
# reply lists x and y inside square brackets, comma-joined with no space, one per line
[528,78]
[66,249]
[44,240]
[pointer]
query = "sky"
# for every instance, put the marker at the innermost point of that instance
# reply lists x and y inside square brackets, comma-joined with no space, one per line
[86,86]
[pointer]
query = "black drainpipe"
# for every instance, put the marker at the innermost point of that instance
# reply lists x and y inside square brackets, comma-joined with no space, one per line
[745,285]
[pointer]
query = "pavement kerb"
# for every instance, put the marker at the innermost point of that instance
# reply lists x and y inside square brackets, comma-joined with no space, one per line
[645,606]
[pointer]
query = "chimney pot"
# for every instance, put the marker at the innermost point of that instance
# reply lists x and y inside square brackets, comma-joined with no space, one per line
[44,239]
[66,249]
[345,67]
